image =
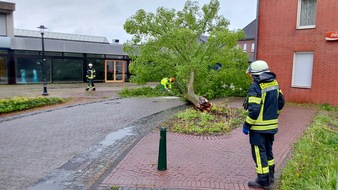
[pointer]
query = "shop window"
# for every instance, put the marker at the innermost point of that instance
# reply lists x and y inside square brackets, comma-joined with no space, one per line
[114,56]
[67,70]
[96,55]
[23,52]
[29,70]
[51,53]
[73,54]
[3,71]
[302,70]
[306,16]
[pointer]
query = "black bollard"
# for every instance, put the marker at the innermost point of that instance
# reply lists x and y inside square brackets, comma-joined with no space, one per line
[162,153]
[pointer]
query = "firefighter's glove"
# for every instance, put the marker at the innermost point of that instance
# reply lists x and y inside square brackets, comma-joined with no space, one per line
[245,130]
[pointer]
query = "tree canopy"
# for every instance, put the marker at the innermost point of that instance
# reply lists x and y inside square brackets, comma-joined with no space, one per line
[189,45]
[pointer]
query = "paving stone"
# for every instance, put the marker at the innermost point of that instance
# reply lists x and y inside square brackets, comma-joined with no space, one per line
[204,163]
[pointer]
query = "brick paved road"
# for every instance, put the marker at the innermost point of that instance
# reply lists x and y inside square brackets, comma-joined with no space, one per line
[203,163]
[68,148]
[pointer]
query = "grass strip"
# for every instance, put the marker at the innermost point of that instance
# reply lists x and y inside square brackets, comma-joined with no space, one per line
[313,164]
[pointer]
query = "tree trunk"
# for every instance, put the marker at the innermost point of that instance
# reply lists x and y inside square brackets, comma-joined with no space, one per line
[200,102]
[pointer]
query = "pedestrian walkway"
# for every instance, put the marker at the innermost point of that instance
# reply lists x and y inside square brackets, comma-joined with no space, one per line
[222,162]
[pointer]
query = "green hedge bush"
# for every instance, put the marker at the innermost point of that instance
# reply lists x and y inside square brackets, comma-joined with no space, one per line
[22,103]
[142,91]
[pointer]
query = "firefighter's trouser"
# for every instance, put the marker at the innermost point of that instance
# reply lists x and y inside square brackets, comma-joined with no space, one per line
[90,83]
[261,149]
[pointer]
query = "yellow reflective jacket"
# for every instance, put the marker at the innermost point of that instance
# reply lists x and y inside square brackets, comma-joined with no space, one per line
[166,83]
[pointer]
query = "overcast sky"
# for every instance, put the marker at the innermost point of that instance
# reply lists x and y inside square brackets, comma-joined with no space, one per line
[106,17]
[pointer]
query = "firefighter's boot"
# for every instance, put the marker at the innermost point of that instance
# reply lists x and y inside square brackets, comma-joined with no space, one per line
[262,181]
[87,89]
[93,89]
[272,173]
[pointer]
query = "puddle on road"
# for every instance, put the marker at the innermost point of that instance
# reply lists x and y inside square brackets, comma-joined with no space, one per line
[117,135]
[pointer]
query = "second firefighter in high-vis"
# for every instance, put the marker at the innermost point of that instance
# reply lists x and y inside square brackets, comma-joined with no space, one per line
[265,102]
[166,84]
[90,77]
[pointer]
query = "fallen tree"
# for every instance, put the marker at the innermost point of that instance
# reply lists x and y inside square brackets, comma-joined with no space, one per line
[187,45]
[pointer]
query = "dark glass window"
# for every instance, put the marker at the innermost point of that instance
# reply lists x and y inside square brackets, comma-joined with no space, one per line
[29,70]
[73,54]
[3,70]
[19,52]
[52,53]
[114,56]
[67,70]
[95,55]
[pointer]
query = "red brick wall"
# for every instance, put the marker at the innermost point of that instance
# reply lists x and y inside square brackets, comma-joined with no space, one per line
[278,39]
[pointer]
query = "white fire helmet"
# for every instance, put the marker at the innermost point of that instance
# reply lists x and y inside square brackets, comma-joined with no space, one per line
[90,65]
[258,67]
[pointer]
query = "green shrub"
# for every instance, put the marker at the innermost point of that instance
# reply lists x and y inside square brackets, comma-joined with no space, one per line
[143,91]
[22,103]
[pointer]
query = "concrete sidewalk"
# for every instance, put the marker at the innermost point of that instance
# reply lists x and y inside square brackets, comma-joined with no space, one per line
[222,162]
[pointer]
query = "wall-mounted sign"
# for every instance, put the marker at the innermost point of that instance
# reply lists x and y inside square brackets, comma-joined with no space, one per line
[331,36]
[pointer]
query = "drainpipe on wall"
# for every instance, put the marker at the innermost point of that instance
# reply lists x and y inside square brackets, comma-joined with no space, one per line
[256,34]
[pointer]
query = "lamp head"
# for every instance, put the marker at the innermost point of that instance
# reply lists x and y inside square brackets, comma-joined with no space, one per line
[42,28]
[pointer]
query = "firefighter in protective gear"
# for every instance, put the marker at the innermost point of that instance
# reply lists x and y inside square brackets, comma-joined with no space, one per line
[166,84]
[90,77]
[265,102]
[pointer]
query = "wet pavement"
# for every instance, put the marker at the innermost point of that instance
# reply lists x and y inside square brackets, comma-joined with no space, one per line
[111,142]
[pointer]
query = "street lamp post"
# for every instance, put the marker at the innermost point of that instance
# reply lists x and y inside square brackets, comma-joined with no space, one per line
[45,93]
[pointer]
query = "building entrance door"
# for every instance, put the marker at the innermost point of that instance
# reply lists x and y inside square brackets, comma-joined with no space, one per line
[114,70]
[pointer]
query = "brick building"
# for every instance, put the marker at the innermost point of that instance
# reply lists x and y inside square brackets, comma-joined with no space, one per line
[248,44]
[299,41]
